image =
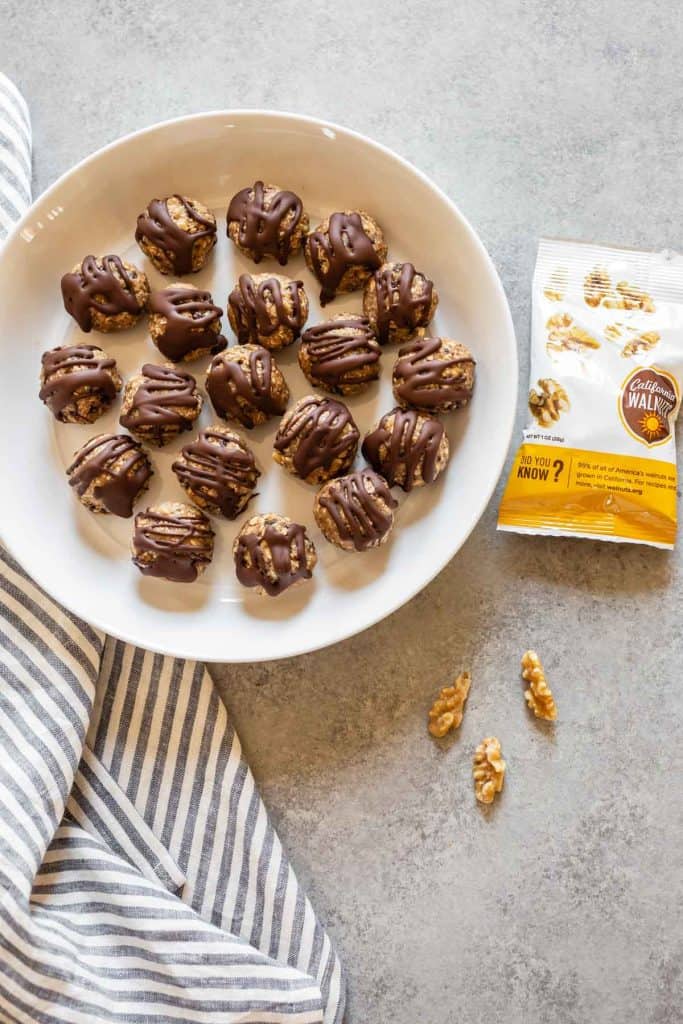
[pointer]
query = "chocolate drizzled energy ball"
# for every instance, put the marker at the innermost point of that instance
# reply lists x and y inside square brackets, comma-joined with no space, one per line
[273,554]
[109,473]
[184,323]
[433,375]
[244,384]
[218,472]
[173,541]
[264,221]
[78,382]
[105,294]
[341,355]
[267,309]
[159,403]
[356,512]
[344,251]
[408,448]
[316,440]
[176,234]
[398,301]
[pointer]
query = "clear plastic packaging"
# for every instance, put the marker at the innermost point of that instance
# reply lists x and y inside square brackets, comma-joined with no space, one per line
[599,457]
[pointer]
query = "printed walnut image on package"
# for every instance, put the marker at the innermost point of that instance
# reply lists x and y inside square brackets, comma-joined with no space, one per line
[598,457]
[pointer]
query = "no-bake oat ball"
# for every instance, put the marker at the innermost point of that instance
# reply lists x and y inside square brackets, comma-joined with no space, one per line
[356,512]
[105,293]
[177,234]
[433,375]
[266,221]
[159,403]
[245,384]
[218,471]
[409,448]
[272,554]
[268,310]
[173,541]
[109,473]
[316,440]
[340,355]
[344,251]
[78,382]
[185,323]
[399,301]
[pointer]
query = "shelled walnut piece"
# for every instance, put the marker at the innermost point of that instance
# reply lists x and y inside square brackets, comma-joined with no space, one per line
[556,287]
[538,696]
[447,711]
[597,285]
[488,770]
[630,297]
[548,402]
[641,343]
[564,335]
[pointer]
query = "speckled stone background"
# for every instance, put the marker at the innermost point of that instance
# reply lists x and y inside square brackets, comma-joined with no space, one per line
[562,903]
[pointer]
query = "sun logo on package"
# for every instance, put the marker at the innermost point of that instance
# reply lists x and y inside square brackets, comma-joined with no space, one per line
[648,403]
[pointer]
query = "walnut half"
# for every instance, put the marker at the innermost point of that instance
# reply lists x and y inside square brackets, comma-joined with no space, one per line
[488,770]
[447,711]
[538,696]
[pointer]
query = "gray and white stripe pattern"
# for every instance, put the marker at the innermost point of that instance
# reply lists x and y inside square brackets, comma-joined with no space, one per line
[15,155]
[141,880]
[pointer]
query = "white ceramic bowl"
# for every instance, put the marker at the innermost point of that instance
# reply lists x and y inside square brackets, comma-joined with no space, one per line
[82,559]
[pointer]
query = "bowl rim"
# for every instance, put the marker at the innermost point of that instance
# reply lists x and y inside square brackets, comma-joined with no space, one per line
[327,127]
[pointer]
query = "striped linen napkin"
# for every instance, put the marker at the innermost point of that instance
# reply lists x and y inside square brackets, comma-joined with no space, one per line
[140,878]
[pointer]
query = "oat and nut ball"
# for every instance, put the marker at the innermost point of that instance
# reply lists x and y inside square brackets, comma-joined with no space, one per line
[184,323]
[356,512]
[173,541]
[399,301]
[272,554]
[177,234]
[340,355]
[109,473]
[105,293]
[265,221]
[409,448]
[78,382]
[433,375]
[218,472]
[344,251]
[159,403]
[268,310]
[316,440]
[246,385]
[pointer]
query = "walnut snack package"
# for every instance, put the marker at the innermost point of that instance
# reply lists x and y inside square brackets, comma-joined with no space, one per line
[598,457]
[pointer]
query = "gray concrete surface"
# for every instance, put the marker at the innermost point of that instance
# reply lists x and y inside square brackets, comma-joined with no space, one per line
[562,904]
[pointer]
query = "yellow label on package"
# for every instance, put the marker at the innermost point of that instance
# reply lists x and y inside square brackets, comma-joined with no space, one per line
[598,458]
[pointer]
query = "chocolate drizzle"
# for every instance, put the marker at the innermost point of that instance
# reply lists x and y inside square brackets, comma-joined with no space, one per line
[99,289]
[421,381]
[265,232]
[361,516]
[189,314]
[234,392]
[158,400]
[318,427]
[410,447]
[179,543]
[345,244]
[121,462]
[219,471]
[395,302]
[252,306]
[75,368]
[335,356]
[252,562]
[157,226]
